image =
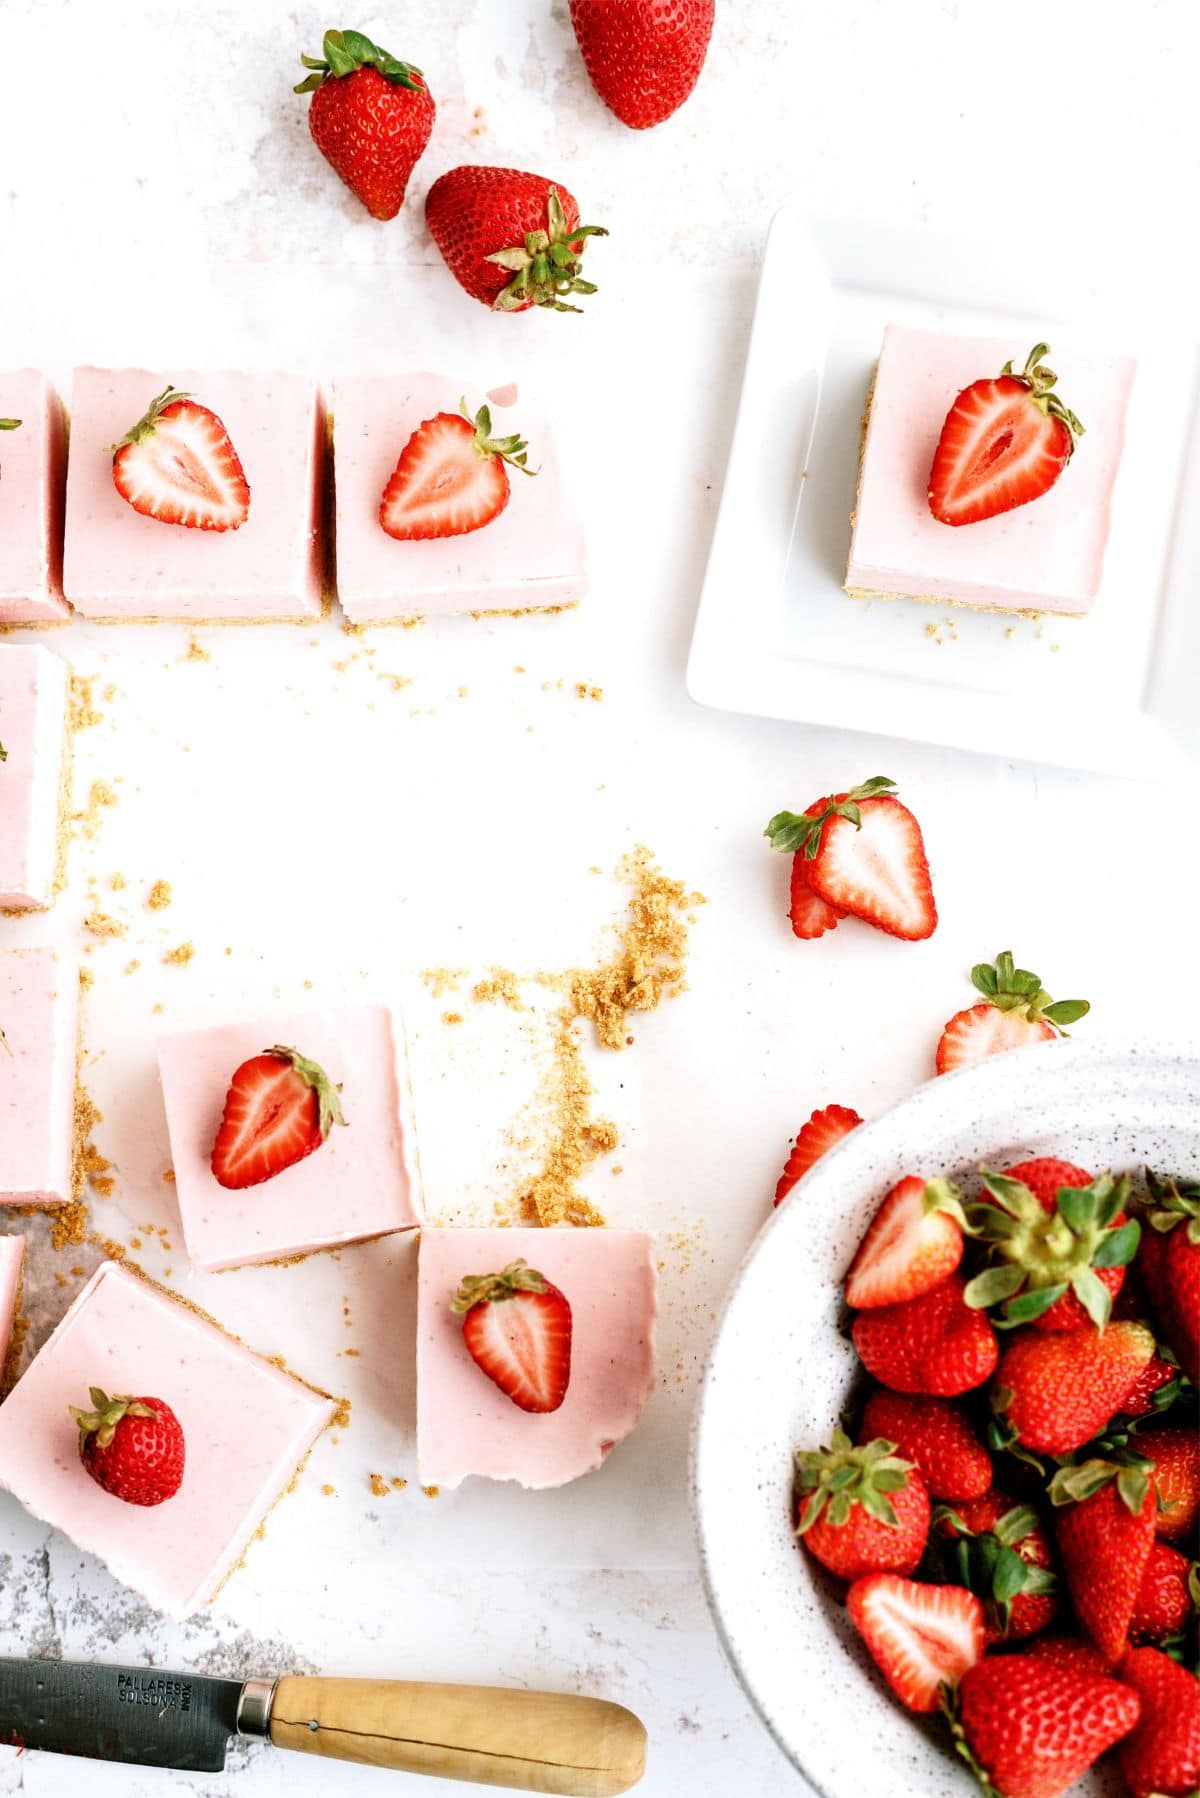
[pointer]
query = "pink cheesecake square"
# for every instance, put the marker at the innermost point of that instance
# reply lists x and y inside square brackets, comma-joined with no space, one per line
[33,741]
[466,1424]
[247,1428]
[1046,556]
[32,470]
[530,557]
[39,1019]
[12,1264]
[119,564]
[362,1181]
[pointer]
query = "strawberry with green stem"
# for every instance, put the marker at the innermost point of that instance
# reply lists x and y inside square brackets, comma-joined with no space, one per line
[1005,442]
[370,117]
[1028,1727]
[132,1447]
[998,1549]
[1016,1011]
[1104,1528]
[913,1242]
[279,1109]
[513,240]
[177,465]
[860,1510]
[1059,1241]
[1054,1391]
[451,477]
[862,852]
[517,1328]
[1160,1758]
[1170,1264]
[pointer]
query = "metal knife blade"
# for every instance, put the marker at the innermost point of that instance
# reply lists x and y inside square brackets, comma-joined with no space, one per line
[138,1714]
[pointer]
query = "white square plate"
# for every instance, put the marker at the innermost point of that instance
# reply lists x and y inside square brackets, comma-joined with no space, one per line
[776,635]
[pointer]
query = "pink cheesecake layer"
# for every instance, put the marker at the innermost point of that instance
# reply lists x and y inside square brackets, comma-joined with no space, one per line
[363,1180]
[466,1425]
[247,1426]
[12,1262]
[39,1016]
[1044,556]
[32,471]
[33,722]
[531,556]
[120,564]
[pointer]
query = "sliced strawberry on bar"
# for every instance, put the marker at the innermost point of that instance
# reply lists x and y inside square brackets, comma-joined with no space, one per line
[1018,1011]
[451,477]
[863,853]
[921,1637]
[912,1244]
[280,1107]
[517,1328]
[177,465]
[1005,442]
[823,1131]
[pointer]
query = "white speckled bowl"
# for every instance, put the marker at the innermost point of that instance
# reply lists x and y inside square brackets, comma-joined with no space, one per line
[780,1371]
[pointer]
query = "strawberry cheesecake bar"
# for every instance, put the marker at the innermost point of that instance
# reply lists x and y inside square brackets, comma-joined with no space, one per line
[153,1439]
[446,505]
[290,1134]
[12,1263]
[535,1350]
[32,471]
[33,769]
[39,1027]
[978,484]
[195,496]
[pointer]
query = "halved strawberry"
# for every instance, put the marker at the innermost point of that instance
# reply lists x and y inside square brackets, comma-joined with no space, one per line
[1005,442]
[823,1131]
[279,1108]
[177,465]
[811,917]
[1018,1011]
[864,854]
[451,477]
[912,1244]
[517,1328]
[921,1637]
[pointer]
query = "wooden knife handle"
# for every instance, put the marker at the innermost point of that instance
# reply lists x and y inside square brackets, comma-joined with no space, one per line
[528,1741]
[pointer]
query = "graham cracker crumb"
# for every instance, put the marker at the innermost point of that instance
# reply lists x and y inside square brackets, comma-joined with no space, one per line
[159,896]
[584,691]
[452,1017]
[86,978]
[379,1486]
[398,1485]
[117,883]
[440,981]
[397,682]
[100,795]
[329,1491]
[100,924]
[501,987]
[341,1416]
[432,1491]
[81,709]
[196,651]
[180,956]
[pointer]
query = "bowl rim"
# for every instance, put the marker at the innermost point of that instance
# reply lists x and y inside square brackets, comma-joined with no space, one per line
[1100,1053]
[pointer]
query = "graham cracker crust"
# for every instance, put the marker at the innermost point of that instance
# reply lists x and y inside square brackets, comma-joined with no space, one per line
[408,620]
[16,1341]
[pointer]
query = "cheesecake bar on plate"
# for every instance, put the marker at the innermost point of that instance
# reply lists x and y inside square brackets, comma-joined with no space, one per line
[535,1350]
[987,479]
[32,471]
[290,1134]
[33,775]
[40,1163]
[241,1428]
[195,496]
[12,1264]
[448,501]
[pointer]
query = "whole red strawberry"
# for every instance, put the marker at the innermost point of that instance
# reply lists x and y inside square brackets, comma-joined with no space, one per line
[1170,1266]
[1000,1551]
[1176,1478]
[512,240]
[1005,442]
[1060,1243]
[860,1510]
[934,1434]
[1162,1755]
[133,1447]
[1163,1606]
[934,1344]
[1029,1728]
[370,117]
[1070,1652]
[1157,1388]
[1104,1525]
[1055,1392]
[644,57]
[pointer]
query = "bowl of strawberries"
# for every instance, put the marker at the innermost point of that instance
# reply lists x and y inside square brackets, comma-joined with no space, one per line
[946,1468]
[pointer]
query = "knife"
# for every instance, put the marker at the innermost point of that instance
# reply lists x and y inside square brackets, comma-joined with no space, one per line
[546,1742]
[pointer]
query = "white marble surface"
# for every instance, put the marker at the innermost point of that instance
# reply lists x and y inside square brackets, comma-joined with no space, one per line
[162,204]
